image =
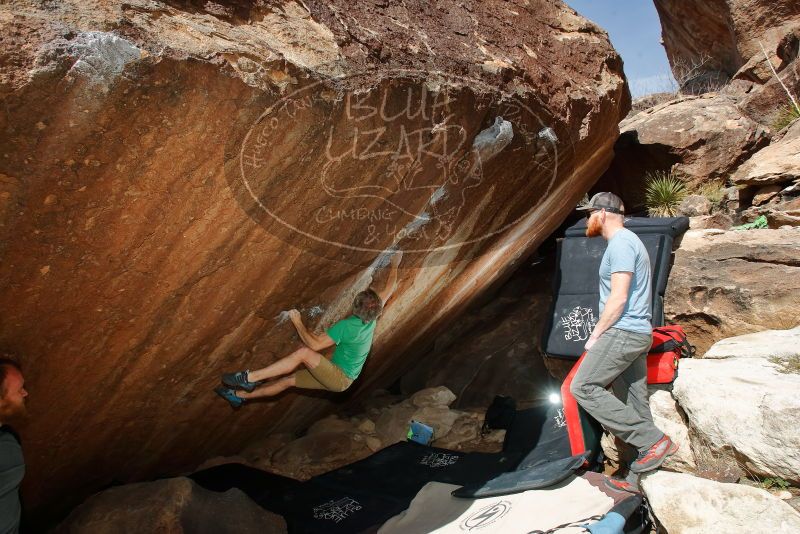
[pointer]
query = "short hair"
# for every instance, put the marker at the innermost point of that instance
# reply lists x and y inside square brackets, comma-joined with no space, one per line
[7,361]
[367,305]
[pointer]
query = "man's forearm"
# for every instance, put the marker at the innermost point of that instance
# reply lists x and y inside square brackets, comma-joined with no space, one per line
[304,334]
[391,280]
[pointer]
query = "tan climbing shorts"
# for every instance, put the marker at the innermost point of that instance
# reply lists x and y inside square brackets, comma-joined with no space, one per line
[326,375]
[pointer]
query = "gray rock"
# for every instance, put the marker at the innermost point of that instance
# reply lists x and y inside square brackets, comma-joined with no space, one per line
[392,425]
[465,429]
[769,343]
[436,396]
[331,424]
[746,406]
[685,504]
[694,206]
[667,418]
[318,453]
[766,194]
[777,163]
[719,220]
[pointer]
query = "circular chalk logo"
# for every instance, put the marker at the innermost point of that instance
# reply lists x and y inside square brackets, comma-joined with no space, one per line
[486,516]
[423,162]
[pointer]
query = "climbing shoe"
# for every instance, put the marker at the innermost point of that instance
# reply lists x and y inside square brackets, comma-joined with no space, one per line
[239,380]
[230,396]
[653,457]
[618,484]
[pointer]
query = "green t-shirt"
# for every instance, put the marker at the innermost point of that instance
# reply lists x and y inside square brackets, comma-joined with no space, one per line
[353,340]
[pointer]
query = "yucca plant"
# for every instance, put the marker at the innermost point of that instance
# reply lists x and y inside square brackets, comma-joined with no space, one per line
[663,192]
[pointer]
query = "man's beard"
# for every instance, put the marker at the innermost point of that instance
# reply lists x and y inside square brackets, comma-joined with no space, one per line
[594,227]
[12,411]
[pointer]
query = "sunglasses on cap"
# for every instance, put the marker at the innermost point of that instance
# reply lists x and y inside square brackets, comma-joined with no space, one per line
[609,210]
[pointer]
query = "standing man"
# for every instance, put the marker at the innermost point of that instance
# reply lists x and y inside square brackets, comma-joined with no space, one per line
[12,464]
[616,351]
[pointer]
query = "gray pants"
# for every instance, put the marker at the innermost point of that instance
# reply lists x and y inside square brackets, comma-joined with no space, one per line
[618,358]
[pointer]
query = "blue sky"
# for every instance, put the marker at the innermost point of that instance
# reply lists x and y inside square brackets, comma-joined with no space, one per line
[635,32]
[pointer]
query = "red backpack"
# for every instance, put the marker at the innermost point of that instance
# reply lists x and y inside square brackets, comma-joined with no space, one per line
[669,346]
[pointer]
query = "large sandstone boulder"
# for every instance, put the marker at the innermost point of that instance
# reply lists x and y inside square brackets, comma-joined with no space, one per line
[725,284]
[702,139]
[176,175]
[685,504]
[720,36]
[174,506]
[781,344]
[778,163]
[746,407]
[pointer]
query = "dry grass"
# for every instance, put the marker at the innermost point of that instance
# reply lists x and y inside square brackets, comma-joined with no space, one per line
[787,365]
[784,117]
[714,191]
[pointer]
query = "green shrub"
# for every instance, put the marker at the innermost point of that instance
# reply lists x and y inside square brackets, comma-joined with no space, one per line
[784,117]
[663,192]
[775,482]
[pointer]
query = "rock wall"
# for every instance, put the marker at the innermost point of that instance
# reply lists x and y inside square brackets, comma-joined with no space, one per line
[176,175]
[726,284]
[494,347]
[718,37]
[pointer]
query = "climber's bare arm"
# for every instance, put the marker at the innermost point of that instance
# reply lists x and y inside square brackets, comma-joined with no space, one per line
[391,280]
[315,342]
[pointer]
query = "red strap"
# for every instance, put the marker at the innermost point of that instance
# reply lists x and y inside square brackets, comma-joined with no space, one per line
[571,414]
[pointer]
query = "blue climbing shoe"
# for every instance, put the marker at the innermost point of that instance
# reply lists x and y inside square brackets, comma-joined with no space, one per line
[239,380]
[230,396]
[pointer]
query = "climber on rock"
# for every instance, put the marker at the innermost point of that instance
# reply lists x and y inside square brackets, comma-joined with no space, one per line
[351,335]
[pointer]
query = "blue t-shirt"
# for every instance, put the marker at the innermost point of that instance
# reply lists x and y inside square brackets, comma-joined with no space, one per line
[626,253]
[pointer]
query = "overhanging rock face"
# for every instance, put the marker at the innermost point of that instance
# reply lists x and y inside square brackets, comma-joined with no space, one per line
[174,178]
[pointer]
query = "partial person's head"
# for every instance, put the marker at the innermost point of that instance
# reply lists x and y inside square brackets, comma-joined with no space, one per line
[367,305]
[603,210]
[12,390]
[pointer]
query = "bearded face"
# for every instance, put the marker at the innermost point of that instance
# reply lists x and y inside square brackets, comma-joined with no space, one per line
[594,226]
[12,402]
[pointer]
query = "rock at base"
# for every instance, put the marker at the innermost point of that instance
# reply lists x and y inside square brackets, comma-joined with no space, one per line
[769,343]
[746,406]
[175,505]
[686,504]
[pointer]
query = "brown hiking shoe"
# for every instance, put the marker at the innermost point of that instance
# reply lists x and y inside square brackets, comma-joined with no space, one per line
[653,457]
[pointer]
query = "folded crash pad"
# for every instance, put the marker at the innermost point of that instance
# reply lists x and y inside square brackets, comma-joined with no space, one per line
[545,433]
[538,477]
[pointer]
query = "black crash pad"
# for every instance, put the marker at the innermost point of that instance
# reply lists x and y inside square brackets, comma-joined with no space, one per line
[576,295]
